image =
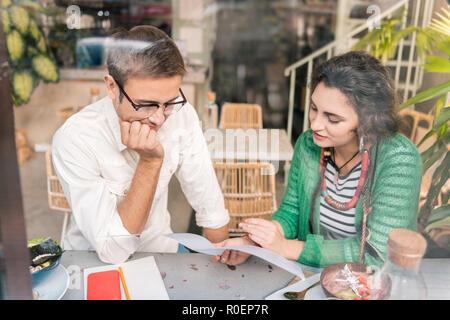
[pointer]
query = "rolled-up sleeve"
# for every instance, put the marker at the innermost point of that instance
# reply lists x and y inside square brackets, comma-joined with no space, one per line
[94,206]
[198,179]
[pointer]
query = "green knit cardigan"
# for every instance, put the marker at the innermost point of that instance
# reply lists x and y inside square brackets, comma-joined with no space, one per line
[395,197]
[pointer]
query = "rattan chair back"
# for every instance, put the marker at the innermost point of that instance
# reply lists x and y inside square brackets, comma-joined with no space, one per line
[241,115]
[416,120]
[248,190]
[56,198]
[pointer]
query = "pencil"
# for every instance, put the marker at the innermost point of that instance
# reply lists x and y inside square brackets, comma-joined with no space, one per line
[124,284]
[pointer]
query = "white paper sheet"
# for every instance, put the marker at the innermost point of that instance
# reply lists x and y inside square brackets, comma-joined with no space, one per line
[203,245]
[142,276]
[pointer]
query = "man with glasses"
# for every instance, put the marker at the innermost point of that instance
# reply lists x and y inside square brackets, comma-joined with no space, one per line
[115,157]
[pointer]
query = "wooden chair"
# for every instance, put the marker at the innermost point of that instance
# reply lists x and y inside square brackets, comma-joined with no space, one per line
[24,152]
[65,113]
[420,124]
[248,190]
[241,115]
[56,198]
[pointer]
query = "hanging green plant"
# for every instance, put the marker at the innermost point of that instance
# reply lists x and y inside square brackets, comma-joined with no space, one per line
[22,85]
[431,40]
[6,23]
[45,68]
[16,46]
[20,18]
[29,56]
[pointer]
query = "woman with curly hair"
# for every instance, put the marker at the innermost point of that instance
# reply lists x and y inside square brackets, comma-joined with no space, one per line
[353,178]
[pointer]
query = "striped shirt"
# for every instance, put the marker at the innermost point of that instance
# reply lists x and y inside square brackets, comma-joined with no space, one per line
[339,224]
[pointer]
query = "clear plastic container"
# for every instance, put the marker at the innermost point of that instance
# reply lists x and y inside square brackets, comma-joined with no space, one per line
[405,249]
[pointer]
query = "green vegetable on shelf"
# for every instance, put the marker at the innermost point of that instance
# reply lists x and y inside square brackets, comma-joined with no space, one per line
[37,36]
[31,51]
[29,55]
[6,22]
[34,30]
[45,68]
[40,44]
[6,3]
[15,45]
[20,18]
[22,86]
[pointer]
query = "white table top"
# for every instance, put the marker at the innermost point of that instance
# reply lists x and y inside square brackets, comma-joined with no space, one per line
[192,276]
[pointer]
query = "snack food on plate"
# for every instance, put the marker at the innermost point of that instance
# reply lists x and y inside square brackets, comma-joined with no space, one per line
[43,253]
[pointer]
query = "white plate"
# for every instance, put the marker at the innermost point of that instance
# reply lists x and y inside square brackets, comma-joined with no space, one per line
[52,285]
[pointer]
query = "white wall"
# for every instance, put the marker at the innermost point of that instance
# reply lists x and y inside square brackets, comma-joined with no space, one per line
[39,119]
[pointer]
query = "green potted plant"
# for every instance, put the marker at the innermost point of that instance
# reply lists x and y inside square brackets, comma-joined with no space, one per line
[29,56]
[434,39]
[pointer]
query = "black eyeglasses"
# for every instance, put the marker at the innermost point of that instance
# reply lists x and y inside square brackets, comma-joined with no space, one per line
[151,108]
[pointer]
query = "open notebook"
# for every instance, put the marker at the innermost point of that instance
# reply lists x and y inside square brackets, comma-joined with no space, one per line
[142,277]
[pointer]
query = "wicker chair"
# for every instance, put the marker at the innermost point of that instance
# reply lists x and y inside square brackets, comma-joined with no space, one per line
[419,121]
[56,198]
[248,190]
[241,115]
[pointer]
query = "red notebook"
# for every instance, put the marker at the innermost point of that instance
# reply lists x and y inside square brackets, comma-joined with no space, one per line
[104,285]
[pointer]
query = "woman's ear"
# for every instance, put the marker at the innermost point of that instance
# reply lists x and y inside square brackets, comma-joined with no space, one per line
[111,87]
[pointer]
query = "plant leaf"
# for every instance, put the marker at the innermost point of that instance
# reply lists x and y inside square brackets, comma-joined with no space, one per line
[446,137]
[433,154]
[426,137]
[431,159]
[442,118]
[437,64]
[439,213]
[437,224]
[439,179]
[441,103]
[428,94]
[425,42]
[444,46]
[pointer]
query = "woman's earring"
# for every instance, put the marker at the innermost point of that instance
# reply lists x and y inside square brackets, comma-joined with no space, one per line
[361,144]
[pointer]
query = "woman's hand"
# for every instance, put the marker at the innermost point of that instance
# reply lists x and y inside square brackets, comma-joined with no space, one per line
[268,234]
[232,257]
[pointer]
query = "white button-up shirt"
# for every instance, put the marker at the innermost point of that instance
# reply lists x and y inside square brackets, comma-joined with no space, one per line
[95,170]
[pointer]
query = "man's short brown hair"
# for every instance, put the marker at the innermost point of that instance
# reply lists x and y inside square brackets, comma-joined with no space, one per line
[143,51]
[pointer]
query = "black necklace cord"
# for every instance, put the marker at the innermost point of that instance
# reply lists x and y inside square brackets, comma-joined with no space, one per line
[338,169]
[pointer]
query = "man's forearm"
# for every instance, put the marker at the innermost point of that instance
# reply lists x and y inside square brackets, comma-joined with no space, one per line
[216,235]
[135,208]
